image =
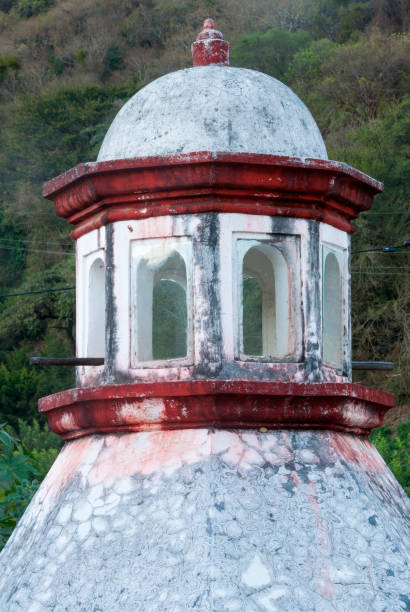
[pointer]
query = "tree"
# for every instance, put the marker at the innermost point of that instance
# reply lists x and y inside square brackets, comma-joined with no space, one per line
[270,52]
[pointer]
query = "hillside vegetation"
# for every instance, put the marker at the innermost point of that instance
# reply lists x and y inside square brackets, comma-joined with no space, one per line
[65,70]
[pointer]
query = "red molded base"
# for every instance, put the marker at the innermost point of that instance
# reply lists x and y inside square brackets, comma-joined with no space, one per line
[215,403]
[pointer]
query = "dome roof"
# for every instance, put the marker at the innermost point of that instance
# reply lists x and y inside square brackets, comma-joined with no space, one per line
[213,108]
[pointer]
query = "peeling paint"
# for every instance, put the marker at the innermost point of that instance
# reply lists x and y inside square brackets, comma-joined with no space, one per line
[173,520]
[213,108]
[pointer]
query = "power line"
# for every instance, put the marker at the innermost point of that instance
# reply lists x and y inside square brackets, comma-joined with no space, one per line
[6,295]
[385,249]
[11,242]
[22,248]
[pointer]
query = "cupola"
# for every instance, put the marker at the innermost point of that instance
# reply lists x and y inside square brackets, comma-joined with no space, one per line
[216,453]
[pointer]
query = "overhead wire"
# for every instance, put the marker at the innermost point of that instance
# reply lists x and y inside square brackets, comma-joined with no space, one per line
[5,295]
[384,249]
[10,248]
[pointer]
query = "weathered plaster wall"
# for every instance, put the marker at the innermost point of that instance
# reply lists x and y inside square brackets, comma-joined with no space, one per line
[214,279]
[213,108]
[89,248]
[212,520]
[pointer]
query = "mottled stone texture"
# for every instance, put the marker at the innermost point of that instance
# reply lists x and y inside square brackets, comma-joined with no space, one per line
[211,520]
[213,108]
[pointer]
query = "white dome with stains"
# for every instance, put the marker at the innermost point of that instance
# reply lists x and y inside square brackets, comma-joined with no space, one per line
[213,108]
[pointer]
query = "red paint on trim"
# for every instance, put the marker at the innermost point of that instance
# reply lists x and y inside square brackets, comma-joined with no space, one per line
[225,404]
[94,194]
[210,47]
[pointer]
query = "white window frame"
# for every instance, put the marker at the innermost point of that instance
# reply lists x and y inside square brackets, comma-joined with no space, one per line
[139,247]
[340,254]
[287,247]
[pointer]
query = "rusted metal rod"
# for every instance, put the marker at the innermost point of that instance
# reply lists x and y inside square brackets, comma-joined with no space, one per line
[66,361]
[372,365]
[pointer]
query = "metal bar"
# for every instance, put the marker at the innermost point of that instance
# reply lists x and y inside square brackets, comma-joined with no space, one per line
[372,365]
[66,361]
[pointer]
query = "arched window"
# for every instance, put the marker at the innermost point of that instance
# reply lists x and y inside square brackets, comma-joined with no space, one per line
[161,304]
[265,311]
[96,310]
[332,310]
[169,310]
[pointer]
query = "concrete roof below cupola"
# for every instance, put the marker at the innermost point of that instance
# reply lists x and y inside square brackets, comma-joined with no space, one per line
[213,107]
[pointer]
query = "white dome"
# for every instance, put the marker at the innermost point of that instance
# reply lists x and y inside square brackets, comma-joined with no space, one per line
[213,108]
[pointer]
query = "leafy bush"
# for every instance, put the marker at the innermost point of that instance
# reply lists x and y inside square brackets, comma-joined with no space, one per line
[8,63]
[380,281]
[47,134]
[16,482]
[23,464]
[271,52]
[395,450]
[42,444]
[29,8]
[21,385]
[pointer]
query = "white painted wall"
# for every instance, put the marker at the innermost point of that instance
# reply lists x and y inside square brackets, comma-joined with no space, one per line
[214,267]
[90,311]
[335,297]
[134,240]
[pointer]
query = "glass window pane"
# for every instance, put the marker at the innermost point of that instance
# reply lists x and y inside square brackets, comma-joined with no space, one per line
[169,320]
[160,300]
[265,300]
[96,310]
[332,311]
[252,317]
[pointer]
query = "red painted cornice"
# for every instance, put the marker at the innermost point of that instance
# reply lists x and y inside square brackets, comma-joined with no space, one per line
[96,193]
[212,403]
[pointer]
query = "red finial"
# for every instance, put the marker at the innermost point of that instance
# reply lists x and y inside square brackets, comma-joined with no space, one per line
[209,24]
[210,46]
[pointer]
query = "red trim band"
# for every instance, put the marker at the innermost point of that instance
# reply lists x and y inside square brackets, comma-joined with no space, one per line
[225,404]
[94,194]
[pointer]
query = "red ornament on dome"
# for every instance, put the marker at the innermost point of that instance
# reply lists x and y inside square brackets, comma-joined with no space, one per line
[210,46]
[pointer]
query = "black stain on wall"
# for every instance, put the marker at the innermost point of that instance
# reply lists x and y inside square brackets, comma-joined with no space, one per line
[111,334]
[207,268]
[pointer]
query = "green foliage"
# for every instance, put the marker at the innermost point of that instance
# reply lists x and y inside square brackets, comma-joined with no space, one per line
[380,282]
[14,460]
[56,64]
[21,385]
[305,69]
[29,316]
[12,255]
[8,63]
[270,52]
[81,55]
[113,60]
[22,464]
[353,18]
[29,8]
[6,5]
[395,450]
[42,444]
[16,486]
[340,19]
[345,85]
[46,134]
